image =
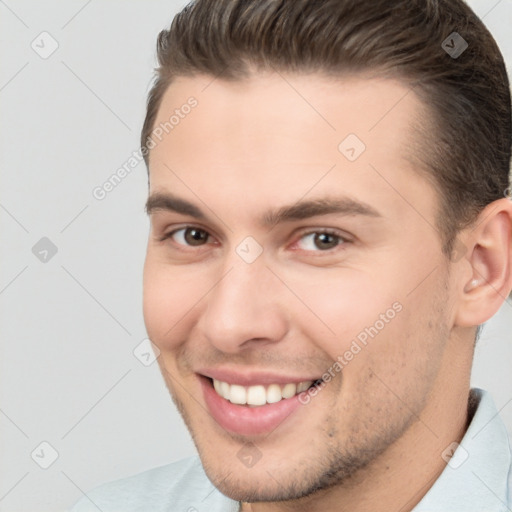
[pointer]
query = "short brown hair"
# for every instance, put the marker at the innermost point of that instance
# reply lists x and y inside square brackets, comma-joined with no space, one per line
[464,149]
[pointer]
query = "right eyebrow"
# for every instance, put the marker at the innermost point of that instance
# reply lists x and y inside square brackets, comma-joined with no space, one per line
[159,201]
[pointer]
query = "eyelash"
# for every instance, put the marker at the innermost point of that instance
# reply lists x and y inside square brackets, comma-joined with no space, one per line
[342,240]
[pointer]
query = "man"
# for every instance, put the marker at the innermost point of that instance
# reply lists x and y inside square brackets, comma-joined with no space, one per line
[329,227]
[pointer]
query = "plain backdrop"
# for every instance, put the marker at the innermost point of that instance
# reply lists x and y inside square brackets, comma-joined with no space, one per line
[74,396]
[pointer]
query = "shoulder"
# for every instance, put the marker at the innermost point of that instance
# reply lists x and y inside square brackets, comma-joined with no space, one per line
[159,489]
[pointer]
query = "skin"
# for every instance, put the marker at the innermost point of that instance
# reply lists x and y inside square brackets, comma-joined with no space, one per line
[373,437]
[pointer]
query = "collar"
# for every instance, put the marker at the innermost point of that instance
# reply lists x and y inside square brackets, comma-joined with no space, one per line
[478,475]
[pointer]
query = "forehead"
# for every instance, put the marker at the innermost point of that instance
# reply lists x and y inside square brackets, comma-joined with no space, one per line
[281,135]
[296,105]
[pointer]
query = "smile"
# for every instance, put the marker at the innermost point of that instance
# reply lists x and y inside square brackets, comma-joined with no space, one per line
[259,395]
[252,405]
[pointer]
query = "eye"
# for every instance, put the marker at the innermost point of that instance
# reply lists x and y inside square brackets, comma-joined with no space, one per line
[189,236]
[320,241]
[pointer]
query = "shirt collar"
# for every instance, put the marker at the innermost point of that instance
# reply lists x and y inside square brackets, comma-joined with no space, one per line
[476,477]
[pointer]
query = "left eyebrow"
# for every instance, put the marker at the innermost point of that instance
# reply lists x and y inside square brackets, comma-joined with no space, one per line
[323,206]
[298,211]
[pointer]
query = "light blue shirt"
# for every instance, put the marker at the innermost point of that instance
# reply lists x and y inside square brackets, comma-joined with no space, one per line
[478,478]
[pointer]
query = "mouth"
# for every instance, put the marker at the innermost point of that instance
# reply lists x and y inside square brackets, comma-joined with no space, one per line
[258,395]
[257,409]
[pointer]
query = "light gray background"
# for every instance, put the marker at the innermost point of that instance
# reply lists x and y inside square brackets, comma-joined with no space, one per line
[68,373]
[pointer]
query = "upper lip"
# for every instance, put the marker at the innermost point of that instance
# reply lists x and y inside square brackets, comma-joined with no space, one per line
[251,377]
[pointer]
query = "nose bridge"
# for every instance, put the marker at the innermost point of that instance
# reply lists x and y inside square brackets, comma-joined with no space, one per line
[242,306]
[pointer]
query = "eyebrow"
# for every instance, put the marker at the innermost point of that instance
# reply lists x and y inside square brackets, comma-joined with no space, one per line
[300,210]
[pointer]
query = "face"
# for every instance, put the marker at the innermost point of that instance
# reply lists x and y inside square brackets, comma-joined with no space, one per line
[285,256]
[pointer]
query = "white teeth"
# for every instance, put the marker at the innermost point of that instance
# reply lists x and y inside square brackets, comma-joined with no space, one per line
[258,395]
[289,390]
[237,395]
[224,389]
[274,394]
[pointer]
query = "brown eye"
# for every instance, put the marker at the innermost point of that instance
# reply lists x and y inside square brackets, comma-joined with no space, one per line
[195,236]
[189,236]
[320,241]
[325,240]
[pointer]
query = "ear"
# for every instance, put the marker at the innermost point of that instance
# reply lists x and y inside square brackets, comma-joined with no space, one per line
[486,282]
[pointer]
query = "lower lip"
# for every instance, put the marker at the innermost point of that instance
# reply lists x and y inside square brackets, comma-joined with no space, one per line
[244,420]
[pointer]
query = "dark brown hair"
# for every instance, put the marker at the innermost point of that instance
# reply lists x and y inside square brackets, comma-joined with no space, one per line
[465,143]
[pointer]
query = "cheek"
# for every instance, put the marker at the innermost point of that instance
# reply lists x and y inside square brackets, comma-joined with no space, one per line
[403,355]
[168,300]
[346,307]
[370,326]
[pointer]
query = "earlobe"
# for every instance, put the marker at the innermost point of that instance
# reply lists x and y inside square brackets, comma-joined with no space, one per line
[489,241]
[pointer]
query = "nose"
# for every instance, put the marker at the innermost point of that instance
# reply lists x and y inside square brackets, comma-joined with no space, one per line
[244,309]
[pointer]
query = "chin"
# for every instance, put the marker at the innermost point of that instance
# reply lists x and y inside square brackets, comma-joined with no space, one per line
[272,480]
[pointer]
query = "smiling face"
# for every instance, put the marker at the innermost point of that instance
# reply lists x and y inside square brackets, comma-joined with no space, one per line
[278,257]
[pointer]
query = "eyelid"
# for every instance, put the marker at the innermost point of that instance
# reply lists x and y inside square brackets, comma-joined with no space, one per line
[169,234]
[163,221]
[344,238]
